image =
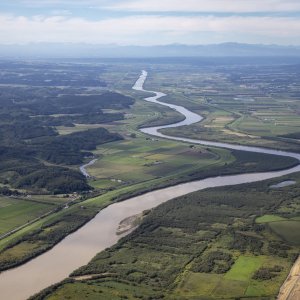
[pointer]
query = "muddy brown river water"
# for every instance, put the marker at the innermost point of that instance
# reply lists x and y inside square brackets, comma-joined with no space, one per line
[81,246]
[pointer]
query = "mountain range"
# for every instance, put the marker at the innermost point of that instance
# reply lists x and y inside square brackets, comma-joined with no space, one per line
[68,50]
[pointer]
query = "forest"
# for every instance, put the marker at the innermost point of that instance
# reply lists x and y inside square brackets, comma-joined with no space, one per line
[32,152]
[211,235]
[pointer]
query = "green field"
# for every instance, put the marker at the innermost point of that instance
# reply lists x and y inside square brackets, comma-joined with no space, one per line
[288,230]
[205,245]
[244,268]
[17,212]
[142,159]
[234,112]
[269,218]
[198,284]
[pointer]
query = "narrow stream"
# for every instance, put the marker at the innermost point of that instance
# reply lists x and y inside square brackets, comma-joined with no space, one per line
[83,168]
[79,248]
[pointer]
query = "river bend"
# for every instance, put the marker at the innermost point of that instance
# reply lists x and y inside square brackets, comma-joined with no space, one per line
[80,247]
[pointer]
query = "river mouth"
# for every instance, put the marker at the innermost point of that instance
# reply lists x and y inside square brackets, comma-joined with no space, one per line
[79,248]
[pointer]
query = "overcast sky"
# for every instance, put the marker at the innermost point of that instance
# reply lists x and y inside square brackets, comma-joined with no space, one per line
[150,22]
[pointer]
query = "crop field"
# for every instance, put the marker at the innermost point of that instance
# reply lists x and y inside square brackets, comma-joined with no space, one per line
[236,110]
[17,212]
[144,159]
[201,246]
[237,282]
[235,242]
[139,163]
[244,268]
[56,226]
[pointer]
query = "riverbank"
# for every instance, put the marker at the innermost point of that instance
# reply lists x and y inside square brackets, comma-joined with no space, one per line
[206,244]
[52,229]
[130,223]
[290,289]
[77,249]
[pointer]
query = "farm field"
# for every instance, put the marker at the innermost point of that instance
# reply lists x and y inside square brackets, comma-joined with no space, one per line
[187,248]
[240,106]
[17,212]
[46,232]
[205,245]
[288,230]
[145,159]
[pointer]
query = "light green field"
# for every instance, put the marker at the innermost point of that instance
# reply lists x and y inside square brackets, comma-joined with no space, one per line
[142,159]
[269,287]
[104,183]
[237,282]
[266,125]
[63,130]
[14,213]
[269,218]
[244,268]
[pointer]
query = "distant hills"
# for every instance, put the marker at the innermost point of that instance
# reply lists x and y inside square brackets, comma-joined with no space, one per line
[42,50]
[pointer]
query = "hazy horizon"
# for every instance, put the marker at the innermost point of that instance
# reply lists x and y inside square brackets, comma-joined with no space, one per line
[79,50]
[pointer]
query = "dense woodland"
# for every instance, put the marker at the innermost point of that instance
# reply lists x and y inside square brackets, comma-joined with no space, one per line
[32,153]
[204,232]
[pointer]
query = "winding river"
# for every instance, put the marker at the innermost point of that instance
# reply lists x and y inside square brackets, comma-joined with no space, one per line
[83,168]
[78,248]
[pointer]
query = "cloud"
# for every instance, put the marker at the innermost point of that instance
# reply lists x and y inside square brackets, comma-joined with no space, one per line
[61,12]
[154,29]
[202,6]
[63,3]
[217,6]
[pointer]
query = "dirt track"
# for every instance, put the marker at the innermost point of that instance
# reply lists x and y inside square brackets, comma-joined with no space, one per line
[290,289]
